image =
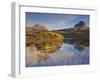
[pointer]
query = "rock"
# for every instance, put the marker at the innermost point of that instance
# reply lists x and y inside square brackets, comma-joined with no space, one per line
[39,28]
[80,26]
[32,30]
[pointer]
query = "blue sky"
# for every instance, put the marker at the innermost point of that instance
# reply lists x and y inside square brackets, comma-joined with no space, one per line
[55,21]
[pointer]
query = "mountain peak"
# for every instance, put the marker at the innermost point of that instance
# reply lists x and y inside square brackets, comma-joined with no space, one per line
[37,25]
[81,26]
[39,28]
[35,29]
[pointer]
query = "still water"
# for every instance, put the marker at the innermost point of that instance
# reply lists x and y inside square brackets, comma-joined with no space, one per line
[68,54]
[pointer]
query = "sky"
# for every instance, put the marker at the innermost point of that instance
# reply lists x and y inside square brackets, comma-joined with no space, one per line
[54,21]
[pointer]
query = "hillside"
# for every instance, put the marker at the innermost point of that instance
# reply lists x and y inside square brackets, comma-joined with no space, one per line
[79,34]
[42,39]
[81,26]
[31,30]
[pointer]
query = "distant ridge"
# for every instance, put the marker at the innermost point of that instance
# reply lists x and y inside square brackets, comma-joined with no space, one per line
[77,27]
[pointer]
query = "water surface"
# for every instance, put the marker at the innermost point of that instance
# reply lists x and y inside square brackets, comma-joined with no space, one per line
[68,54]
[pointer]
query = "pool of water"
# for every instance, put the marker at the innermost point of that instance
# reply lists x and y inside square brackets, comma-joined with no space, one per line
[68,54]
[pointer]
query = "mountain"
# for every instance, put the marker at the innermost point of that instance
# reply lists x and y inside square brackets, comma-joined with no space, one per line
[35,29]
[80,26]
[64,30]
[39,28]
[77,27]
[42,38]
[78,35]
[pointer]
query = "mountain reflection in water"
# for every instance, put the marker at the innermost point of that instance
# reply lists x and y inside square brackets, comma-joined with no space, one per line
[66,55]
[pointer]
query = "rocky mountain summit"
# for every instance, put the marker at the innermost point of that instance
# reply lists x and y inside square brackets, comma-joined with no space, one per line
[35,29]
[39,28]
[80,26]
